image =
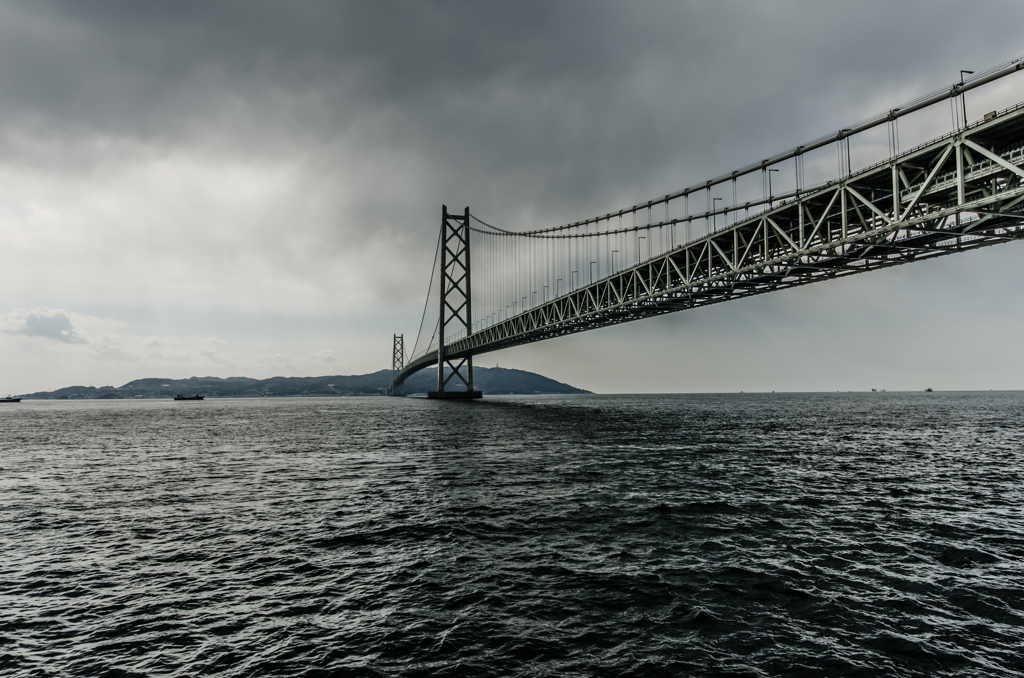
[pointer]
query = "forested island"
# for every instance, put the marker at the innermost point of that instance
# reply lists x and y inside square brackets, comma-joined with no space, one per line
[490,380]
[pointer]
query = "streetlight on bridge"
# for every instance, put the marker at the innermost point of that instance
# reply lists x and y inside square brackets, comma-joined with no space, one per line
[963,95]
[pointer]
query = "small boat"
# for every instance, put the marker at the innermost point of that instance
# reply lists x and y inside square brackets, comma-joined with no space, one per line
[195,397]
[9,399]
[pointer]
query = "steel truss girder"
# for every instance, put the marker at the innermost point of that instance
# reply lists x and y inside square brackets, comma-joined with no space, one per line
[909,208]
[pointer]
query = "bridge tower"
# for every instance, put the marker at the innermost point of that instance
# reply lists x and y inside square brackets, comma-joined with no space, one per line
[456,306]
[397,364]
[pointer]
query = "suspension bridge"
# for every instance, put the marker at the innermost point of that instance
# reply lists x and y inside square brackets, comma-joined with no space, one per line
[494,288]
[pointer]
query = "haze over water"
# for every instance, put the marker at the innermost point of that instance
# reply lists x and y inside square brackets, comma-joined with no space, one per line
[762,534]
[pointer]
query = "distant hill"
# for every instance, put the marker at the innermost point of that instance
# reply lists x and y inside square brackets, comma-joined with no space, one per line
[490,380]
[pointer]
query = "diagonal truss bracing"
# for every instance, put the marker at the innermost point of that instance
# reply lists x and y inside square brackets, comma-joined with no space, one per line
[397,358]
[960,192]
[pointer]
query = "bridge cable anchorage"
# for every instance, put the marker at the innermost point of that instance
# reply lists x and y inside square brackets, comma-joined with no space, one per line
[959,191]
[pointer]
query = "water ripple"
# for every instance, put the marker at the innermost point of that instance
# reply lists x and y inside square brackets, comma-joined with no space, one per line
[747,535]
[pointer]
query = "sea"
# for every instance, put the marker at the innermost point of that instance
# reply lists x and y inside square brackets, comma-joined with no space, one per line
[828,534]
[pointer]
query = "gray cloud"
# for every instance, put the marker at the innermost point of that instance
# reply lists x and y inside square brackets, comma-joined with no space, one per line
[533,112]
[324,356]
[49,323]
[110,348]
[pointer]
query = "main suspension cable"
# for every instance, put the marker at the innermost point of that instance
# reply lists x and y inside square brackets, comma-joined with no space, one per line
[426,303]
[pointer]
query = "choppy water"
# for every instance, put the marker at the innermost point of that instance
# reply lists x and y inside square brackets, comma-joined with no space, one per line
[746,535]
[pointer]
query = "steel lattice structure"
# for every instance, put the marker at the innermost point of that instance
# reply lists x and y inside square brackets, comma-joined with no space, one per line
[397,361]
[455,304]
[956,193]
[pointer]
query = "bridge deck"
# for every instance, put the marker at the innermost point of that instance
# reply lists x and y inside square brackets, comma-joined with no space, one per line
[956,193]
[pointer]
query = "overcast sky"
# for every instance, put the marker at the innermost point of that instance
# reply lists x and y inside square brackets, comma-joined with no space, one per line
[254,188]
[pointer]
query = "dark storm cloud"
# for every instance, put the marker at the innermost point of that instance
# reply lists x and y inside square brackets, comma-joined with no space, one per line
[505,86]
[518,83]
[532,112]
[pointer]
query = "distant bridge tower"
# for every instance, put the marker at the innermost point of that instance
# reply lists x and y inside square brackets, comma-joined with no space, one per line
[456,305]
[397,364]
